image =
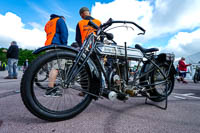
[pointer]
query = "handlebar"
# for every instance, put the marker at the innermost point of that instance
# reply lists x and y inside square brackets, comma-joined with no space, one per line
[110,22]
[93,25]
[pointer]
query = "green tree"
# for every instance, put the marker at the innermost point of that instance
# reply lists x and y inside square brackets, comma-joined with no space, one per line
[3,56]
[23,55]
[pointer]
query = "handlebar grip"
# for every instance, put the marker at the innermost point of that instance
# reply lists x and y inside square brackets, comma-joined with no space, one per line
[92,24]
[109,22]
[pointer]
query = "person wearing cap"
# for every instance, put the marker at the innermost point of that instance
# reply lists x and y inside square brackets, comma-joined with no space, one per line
[56,33]
[82,28]
[182,69]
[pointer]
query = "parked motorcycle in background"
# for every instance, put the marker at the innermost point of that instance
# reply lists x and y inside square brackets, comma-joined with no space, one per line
[196,77]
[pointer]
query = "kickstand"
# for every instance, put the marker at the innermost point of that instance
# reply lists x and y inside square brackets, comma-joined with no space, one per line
[154,104]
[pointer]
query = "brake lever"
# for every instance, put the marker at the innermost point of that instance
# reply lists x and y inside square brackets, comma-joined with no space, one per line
[141,33]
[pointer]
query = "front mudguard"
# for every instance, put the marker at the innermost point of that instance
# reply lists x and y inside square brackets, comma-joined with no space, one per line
[54,47]
[95,76]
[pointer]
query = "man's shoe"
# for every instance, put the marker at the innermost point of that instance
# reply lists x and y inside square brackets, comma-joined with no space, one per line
[8,77]
[14,77]
[53,92]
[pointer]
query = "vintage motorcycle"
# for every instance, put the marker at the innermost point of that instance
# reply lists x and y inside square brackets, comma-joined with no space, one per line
[100,69]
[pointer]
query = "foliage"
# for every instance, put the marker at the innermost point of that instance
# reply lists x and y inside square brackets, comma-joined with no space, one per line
[3,56]
[23,55]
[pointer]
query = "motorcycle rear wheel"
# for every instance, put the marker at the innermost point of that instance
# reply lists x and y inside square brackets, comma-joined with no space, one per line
[55,108]
[160,92]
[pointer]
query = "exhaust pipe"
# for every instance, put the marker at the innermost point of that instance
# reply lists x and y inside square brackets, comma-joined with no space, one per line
[111,95]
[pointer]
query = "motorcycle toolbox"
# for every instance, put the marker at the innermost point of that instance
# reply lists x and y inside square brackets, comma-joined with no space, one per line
[119,51]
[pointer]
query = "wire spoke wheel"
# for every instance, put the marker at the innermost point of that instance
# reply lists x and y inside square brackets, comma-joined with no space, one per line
[160,91]
[161,88]
[66,102]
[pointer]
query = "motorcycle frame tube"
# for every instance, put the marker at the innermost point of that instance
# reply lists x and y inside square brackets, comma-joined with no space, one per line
[126,60]
[74,71]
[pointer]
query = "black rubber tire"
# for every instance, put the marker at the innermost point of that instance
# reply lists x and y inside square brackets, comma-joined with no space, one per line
[30,100]
[155,95]
[195,78]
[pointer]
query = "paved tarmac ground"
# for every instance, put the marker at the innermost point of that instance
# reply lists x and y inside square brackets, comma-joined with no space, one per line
[104,116]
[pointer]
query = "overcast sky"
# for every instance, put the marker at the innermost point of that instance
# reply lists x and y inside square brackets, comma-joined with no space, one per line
[171,25]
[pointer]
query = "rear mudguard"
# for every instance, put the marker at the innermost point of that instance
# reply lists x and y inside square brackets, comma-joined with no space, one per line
[95,81]
[167,58]
[161,58]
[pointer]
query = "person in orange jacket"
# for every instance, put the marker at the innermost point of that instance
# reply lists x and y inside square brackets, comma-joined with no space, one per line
[82,28]
[56,33]
[56,30]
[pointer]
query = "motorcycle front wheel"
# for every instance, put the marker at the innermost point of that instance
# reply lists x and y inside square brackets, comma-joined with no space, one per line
[55,107]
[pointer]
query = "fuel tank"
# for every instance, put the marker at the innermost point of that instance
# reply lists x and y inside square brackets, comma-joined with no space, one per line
[119,51]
